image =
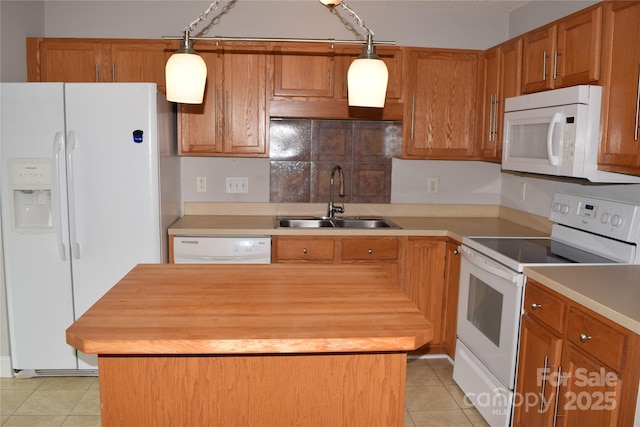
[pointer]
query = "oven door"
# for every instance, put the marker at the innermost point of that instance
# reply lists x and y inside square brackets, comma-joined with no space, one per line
[489,309]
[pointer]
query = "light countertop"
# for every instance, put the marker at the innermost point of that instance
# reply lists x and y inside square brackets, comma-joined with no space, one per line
[612,291]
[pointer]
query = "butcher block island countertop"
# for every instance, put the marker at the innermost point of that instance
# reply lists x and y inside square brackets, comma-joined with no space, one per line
[275,344]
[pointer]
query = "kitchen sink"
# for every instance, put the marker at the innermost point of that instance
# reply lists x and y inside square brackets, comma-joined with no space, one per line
[336,222]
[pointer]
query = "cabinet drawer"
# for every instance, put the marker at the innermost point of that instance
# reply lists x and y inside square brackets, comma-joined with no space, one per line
[304,250]
[370,249]
[602,341]
[544,306]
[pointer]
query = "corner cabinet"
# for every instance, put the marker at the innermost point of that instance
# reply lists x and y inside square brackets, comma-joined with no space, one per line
[620,144]
[98,60]
[563,54]
[502,67]
[422,278]
[232,120]
[441,104]
[575,367]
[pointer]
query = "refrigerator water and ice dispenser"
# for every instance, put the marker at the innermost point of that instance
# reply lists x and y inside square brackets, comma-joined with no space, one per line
[32,184]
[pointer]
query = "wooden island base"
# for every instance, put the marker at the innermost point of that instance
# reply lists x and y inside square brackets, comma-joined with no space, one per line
[280,390]
[260,346]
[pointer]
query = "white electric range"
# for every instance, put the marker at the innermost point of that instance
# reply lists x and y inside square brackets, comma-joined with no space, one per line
[586,230]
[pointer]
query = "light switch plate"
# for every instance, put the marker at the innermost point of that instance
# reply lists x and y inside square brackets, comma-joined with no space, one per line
[237,184]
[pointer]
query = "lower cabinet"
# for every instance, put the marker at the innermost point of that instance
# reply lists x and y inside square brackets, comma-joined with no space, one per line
[575,367]
[419,262]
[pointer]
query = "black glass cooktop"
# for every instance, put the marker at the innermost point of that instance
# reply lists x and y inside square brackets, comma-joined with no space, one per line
[540,251]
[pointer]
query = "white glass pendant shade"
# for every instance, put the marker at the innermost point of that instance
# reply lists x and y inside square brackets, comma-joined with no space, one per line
[186,75]
[367,80]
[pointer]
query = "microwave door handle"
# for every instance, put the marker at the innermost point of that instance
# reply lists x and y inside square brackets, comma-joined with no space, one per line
[556,119]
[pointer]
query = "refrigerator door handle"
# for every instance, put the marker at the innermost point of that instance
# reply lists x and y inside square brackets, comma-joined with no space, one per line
[71,146]
[58,143]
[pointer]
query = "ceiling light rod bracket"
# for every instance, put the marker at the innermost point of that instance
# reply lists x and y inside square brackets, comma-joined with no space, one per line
[276,39]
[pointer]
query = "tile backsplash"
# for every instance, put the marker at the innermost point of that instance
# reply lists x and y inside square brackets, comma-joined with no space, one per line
[303,153]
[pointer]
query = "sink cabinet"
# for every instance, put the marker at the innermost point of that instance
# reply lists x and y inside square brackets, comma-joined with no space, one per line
[332,249]
[583,365]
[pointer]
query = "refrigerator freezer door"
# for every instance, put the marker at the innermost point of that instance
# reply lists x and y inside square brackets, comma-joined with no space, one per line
[37,278]
[112,156]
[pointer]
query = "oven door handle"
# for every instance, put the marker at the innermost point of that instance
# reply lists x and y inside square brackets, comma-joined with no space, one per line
[473,259]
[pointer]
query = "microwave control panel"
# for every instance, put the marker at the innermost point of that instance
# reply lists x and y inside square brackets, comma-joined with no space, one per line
[568,140]
[610,218]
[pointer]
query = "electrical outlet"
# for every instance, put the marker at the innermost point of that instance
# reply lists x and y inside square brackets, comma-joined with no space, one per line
[237,185]
[432,185]
[201,184]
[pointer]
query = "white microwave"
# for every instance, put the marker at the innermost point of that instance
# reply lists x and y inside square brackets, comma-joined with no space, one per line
[557,133]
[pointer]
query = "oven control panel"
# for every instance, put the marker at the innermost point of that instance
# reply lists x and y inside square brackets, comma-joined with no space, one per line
[614,219]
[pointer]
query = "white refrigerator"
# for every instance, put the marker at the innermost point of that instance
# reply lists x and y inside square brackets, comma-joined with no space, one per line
[90,183]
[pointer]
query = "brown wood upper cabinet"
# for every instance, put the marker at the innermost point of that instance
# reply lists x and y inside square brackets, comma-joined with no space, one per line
[441,105]
[620,144]
[502,66]
[310,80]
[232,120]
[98,60]
[564,53]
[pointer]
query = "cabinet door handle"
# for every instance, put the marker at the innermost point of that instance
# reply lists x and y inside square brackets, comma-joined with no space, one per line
[555,64]
[304,251]
[635,131]
[226,113]
[555,409]
[541,410]
[584,337]
[219,116]
[535,306]
[495,116]
[544,65]
[113,73]
[413,112]
[96,73]
[490,136]
[370,251]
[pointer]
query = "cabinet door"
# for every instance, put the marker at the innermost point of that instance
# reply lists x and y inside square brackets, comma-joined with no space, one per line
[537,59]
[200,129]
[491,99]
[71,60]
[590,392]
[620,144]
[422,280]
[306,70]
[370,249]
[577,57]
[538,363]
[440,112]
[451,291]
[392,57]
[140,61]
[244,99]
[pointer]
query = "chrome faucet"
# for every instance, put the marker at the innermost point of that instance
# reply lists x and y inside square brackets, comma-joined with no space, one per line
[336,209]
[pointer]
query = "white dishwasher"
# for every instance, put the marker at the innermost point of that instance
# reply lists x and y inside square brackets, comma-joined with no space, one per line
[221,249]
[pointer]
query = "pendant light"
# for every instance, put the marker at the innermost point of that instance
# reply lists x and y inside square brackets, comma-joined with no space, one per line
[367,76]
[186,71]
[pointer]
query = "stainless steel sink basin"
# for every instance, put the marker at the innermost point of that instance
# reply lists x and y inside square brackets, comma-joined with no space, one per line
[336,222]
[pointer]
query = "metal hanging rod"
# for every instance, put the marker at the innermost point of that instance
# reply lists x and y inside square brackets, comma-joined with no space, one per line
[271,39]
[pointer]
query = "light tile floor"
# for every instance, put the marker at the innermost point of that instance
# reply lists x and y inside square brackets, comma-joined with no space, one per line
[432,399]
